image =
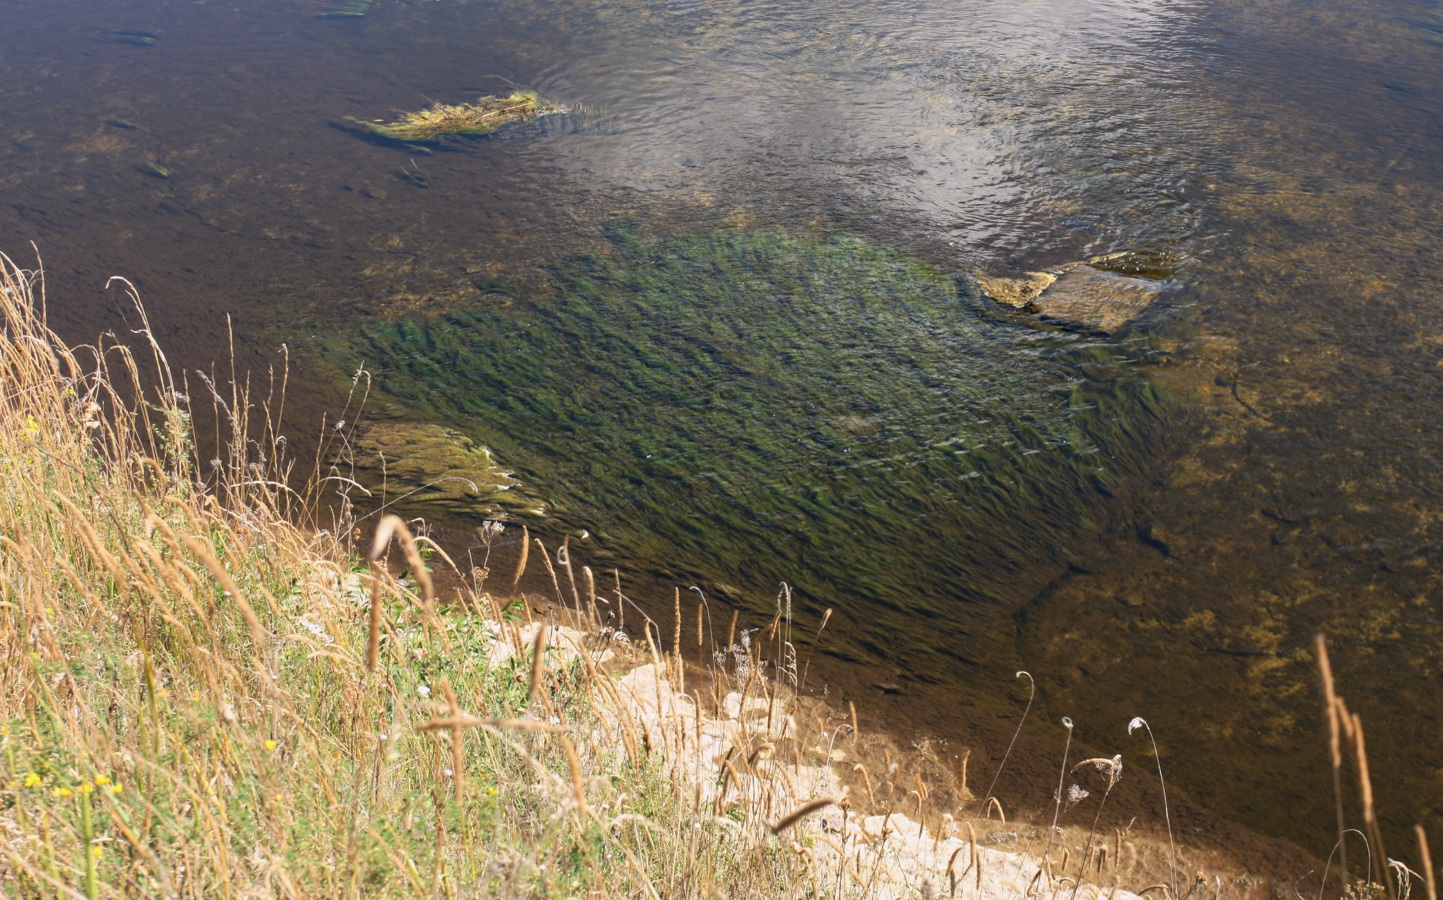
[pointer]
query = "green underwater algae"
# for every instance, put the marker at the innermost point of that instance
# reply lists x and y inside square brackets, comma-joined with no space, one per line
[739,409]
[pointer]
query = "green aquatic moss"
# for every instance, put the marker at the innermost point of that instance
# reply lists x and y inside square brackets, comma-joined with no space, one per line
[739,409]
[482,117]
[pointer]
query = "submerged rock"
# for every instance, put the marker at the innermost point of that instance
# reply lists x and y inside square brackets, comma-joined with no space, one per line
[1092,298]
[1016,292]
[1081,296]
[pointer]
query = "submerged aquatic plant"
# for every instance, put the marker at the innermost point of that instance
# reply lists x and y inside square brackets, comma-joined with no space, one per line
[736,409]
[1432,26]
[346,9]
[482,117]
[137,37]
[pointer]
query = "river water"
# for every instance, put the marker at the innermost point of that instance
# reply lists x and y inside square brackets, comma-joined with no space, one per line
[709,320]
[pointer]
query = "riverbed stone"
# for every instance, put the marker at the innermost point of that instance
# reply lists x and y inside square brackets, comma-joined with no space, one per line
[1079,296]
[1096,300]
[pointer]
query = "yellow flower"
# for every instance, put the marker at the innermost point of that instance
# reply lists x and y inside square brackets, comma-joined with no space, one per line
[97,851]
[86,787]
[61,792]
[115,788]
[102,780]
[270,745]
[491,791]
[33,780]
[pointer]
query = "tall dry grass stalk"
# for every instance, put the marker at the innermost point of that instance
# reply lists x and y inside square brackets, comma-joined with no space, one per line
[1346,741]
[1425,862]
[1335,748]
[1136,723]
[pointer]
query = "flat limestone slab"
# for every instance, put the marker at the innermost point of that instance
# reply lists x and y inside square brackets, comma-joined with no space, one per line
[1079,296]
[1084,297]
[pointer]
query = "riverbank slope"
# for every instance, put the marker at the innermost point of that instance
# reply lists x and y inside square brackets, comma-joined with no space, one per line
[207,690]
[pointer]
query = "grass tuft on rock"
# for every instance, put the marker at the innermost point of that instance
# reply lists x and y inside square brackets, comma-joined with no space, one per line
[482,117]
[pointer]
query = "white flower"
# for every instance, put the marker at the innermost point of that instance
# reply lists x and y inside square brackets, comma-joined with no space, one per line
[315,629]
[424,691]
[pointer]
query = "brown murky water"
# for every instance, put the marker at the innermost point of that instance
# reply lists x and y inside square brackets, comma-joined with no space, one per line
[1283,157]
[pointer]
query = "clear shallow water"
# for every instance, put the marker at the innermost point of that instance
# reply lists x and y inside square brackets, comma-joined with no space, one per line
[739,409]
[1280,158]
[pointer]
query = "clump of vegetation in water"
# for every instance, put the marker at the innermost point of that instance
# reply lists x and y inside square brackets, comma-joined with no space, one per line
[482,117]
[136,37]
[737,409]
[346,9]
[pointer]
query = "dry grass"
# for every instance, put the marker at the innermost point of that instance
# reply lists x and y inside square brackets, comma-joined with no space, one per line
[187,705]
